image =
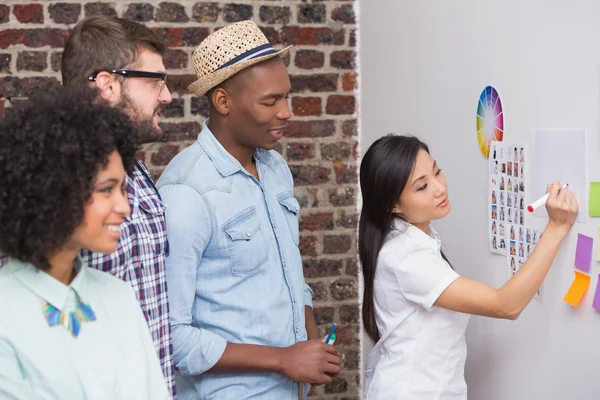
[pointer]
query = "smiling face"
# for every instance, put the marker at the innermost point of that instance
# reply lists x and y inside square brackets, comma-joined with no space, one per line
[255,104]
[105,211]
[425,196]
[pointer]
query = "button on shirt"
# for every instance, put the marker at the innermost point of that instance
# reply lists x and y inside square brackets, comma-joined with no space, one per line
[422,351]
[112,358]
[140,261]
[234,272]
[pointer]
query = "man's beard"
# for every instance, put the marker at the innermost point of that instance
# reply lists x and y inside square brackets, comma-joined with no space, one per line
[145,130]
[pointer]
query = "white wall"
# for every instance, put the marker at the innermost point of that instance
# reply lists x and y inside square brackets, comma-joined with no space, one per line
[423,66]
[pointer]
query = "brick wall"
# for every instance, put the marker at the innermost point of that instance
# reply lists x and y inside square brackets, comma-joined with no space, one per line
[320,144]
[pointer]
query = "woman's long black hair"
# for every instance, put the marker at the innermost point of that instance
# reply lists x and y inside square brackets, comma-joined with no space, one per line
[384,172]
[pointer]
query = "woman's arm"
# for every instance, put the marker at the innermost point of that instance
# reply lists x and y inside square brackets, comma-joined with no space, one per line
[472,297]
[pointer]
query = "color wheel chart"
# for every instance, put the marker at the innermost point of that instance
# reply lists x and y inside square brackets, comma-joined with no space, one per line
[490,119]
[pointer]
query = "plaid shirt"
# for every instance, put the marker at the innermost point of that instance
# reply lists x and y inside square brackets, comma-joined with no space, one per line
[140,260]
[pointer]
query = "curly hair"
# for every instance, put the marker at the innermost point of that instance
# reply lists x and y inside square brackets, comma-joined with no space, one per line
[52,147]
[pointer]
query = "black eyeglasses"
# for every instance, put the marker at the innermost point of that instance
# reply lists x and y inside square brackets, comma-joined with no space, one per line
[130,73]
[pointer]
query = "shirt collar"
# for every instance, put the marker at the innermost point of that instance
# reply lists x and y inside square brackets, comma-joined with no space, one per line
[51,290]
[224,162]
[430,239]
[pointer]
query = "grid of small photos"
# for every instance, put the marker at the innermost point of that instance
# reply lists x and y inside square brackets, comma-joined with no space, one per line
[508,235]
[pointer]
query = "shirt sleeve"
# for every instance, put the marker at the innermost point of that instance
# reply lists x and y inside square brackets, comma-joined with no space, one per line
[189,228]
[308,295]
[13,386]
[422,276]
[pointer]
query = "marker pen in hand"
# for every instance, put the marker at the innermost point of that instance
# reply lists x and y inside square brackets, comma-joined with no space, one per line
[331,336]
[541,201]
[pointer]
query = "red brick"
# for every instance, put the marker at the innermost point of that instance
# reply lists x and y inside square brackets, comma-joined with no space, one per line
[300,151]
[345,173]
[272,34]
[347,220]
[274,14]
[336,244]
[192,37]
[317,222]
[309,59]
[312,13]
[32,61]
[171,12]
[323,315]
[29,13]
[22,87]
[311,36]
[344,289]
[322,268]
[344,13]
[64,13]
[173,110]
[336,151]
[177,37]
[337,385]
[237,12]
[4,15]
[314,83]
[164,154]
[179,83]
[100,9]
[309,174]
[176,59]
[349,128]
[5,64]
[319,290]
[55,61]
[352,266]
[343,59]
[317,128]
[352,360]
[180,131]
[349,314]
[200,106]
[349,81]
[140,12]
[352,39]
[305,106]
[308,246]
[206,12]
[340,105]
[341,197]
[33,37]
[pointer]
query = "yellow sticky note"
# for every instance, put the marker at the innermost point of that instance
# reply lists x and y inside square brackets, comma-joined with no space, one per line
[577,289]
[594,199]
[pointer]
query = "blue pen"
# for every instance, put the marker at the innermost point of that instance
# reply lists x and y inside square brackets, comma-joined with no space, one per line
[330,334]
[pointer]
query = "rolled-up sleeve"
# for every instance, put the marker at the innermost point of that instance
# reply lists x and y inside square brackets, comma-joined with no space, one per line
[308,295]
[189,228]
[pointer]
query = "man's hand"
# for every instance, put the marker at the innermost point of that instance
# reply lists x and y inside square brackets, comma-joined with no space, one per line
[310,362]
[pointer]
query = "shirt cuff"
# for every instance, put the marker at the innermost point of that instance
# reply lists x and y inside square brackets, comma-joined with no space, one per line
[308,295]
[203,355]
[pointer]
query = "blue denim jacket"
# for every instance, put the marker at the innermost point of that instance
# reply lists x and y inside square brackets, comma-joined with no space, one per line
[234,273]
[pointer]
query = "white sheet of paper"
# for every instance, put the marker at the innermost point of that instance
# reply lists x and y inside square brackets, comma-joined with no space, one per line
[559,155]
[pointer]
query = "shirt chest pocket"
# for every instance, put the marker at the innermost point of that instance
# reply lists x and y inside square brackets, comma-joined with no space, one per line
[291,208]
[246,243]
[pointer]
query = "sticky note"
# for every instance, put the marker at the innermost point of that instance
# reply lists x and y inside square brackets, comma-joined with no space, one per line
[598,247]
[577,289]
[594,203]
[583,254]
[596,303]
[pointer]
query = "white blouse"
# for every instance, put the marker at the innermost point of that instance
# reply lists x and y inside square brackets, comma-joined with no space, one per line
[112,358]
[422,351]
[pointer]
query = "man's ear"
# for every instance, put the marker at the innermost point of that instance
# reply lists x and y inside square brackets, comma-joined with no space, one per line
[108,87]
[221,101]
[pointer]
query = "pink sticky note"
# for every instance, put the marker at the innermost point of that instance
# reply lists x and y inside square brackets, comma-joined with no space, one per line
[583,254]
[596,303]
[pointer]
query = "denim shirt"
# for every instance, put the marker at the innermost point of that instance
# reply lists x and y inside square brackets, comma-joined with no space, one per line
[234,272]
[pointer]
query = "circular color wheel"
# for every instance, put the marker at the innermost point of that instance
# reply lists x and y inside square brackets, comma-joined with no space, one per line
[490,119]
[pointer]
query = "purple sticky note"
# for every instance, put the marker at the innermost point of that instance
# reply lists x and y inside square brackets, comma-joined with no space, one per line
[596,303]
[583,254]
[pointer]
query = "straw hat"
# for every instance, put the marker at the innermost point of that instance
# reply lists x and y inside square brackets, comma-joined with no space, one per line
[226,52]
